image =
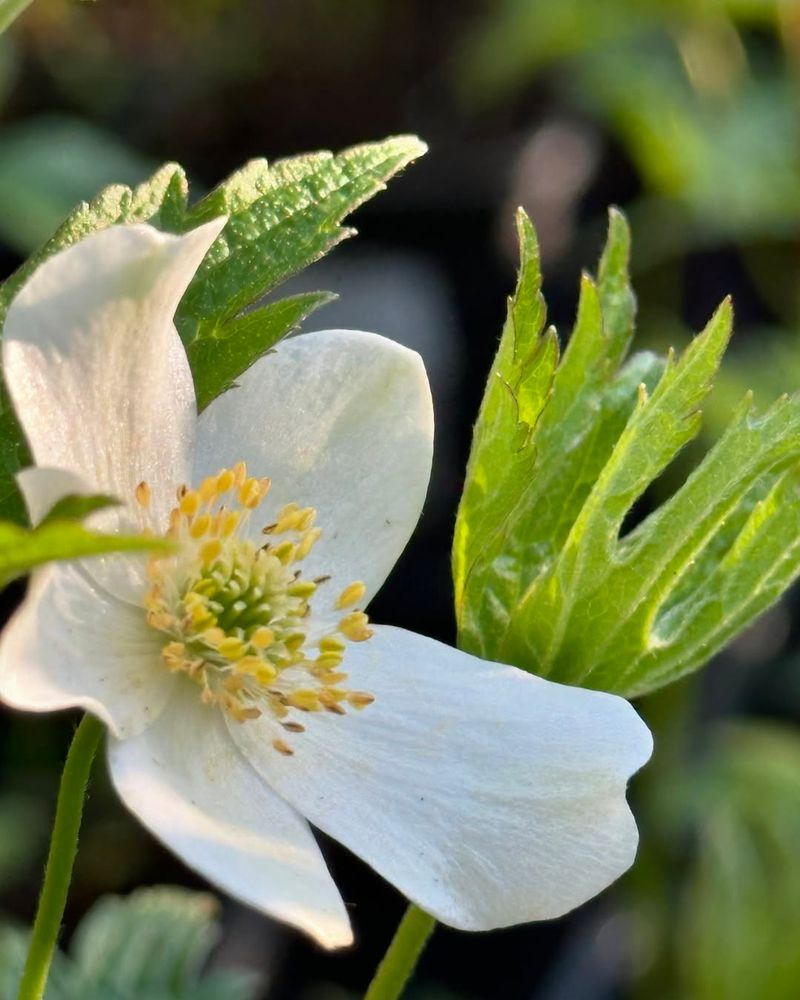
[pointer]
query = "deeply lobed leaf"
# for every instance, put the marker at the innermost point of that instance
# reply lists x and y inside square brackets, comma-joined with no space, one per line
[546,575]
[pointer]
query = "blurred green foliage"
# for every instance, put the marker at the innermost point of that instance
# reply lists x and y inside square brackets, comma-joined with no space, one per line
[698,101]
[153,944]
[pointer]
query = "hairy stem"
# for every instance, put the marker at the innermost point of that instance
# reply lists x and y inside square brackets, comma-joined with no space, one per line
[61,857]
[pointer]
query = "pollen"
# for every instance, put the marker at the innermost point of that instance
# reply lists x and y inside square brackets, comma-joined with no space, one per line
[234,612]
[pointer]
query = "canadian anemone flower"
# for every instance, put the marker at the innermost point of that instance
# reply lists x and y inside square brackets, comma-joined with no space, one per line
[245,692]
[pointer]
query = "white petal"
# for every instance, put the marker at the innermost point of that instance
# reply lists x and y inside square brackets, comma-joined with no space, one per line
[43,486]
[72,644]
[340,421]
[187,782]
[121,575]
[96,371]
[488,796]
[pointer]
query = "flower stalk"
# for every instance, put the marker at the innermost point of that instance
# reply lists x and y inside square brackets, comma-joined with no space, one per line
[401,958]
[61,858]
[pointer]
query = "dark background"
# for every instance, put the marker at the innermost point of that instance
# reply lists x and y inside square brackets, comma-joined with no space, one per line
[683,113]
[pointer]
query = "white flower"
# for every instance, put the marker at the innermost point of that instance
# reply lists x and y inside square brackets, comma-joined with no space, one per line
[245,694]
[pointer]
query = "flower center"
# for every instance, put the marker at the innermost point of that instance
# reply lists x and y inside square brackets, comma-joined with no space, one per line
[235,614]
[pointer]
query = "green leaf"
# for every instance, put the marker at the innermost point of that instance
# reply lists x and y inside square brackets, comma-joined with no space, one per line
[503,452]
[218,360]
[282,217]
[154,943]
[23,549]
[77,506]
[547,575]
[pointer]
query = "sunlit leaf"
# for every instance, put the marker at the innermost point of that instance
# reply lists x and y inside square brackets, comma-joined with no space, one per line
[547,574]
[282,217]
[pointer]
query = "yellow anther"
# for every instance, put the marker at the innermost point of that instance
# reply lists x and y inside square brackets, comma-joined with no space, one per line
[207,490]
[209,551]
[229,523]
[253,666]
[307,542]
[331,696]
[355,626]
[250,494]
[305,699]
[332,644]
[295,641]
[200,526]
[225,481]
[161,620]
[213,636]
[190,503]
[330,677]
[277,707]
[173,654]
[307,518]
[293,727]
[239,473]
[262,637]
[301,588]
[231,648]
[284,552]
[153,599]
[283,748]
[328,661]
[201,617]
[360,699]
[239,713]
[288,519]
[174,522]
[351,594]
[143,494]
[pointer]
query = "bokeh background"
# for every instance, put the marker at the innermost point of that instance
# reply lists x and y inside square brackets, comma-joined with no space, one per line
[684,112]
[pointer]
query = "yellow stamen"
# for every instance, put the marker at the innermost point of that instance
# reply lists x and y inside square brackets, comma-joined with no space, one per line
[143,494]
[190,503]
[235,615]
[354,626]
[351,594]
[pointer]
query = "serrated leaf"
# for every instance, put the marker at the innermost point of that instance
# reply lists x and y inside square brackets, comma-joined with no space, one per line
[283,217]
[217,361]
[585,410]
[562,589]
[23,549]
[503,450]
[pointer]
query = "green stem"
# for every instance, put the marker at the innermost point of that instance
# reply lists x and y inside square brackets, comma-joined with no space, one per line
[63,848]
[401,959]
